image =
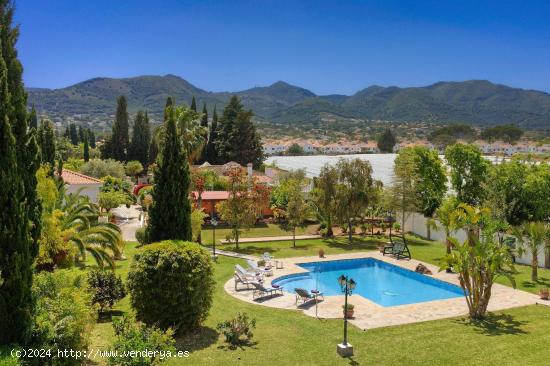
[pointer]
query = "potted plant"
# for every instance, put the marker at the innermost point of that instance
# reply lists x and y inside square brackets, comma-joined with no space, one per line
[348,310]
[321,253]
[543,293]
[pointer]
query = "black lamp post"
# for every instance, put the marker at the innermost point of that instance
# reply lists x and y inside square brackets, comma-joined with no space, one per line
[347,285]
[214,223]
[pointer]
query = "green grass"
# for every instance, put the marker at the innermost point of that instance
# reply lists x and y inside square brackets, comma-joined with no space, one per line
[259,230]
[286,337]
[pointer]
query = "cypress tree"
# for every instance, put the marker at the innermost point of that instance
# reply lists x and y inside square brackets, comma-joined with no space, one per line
[170,214]
[211,155]
[204,116]
[33,119]
[86,148]
[80,134]
[141,138]
[91,138]
[120,137]
[386,141]
[193,104]
[46,142]
[73,134]
[20,208]
[237,138]
[169,103]
[67,133]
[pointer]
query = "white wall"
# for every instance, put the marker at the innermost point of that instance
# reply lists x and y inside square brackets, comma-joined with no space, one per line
[416,223]
[90,190]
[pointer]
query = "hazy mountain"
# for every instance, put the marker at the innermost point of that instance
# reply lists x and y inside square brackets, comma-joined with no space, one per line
[476,102]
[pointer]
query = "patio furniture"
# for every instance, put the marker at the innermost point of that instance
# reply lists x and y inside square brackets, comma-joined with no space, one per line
[248,273]
[244,279]
[262,291]
[267,271]
[305,295]
[279,265]
[397,248]
[268,258]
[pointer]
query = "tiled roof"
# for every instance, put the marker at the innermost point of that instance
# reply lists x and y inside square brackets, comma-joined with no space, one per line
[70,177]
[212,195]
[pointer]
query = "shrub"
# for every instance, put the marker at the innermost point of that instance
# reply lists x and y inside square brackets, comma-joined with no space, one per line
[64,313]
[237,330]
[171,285]
[141,236]
[134,336]
[106,288]
[101,168]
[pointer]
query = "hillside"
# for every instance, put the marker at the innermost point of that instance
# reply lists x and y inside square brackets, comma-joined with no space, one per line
[476,102]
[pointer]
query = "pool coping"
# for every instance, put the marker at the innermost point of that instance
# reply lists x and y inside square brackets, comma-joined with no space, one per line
[368,314]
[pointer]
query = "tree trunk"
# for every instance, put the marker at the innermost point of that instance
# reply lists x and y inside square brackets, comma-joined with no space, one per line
[330,234]
[429,230]
[294,236]
[236,234]
[534,267]
[349,231]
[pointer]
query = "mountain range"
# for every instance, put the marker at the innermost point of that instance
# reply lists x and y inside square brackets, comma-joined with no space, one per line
[477,102]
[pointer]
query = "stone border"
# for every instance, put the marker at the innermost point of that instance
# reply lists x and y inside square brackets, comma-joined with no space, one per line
[370,315]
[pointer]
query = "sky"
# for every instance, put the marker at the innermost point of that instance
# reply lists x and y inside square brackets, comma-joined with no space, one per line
[328,47]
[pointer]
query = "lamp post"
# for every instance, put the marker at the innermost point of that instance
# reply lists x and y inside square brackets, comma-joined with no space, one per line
[347,285]
[214,223]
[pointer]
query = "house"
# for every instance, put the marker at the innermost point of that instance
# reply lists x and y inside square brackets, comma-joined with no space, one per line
[75,181]
[209,200]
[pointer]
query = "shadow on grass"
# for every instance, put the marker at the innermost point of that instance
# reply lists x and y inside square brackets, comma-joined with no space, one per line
[541,282]
[496,325]
[107,316]
[199,339]
[242,345]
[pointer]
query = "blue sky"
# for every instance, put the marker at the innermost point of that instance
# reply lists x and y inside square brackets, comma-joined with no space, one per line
[326,46]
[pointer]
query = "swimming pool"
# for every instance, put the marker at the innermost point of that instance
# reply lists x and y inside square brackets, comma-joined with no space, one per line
[378,281]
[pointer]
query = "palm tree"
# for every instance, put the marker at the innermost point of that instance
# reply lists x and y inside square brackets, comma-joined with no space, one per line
[103,241]
[447,219]
[533,237]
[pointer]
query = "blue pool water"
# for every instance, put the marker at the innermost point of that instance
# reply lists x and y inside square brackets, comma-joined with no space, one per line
[378,281]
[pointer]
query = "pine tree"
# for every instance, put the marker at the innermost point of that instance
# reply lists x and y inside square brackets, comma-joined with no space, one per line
[120,137]
[211,156]
[170,214]
[46,142]
[86,147]
[141,138]
[21,209]
[193,104]
[73,134]
[237,138]
[33,119]
[91,138]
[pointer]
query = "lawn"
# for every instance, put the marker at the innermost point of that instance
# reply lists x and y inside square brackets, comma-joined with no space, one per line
[285,337]
[259,230]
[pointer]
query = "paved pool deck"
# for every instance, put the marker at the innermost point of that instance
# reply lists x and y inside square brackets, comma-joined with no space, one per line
[370,315]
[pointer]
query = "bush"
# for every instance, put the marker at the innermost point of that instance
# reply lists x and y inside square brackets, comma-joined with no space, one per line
[171,285]
[101,168]
[106,288]
[141,236]
[237,330]
[64,314]
[134,336]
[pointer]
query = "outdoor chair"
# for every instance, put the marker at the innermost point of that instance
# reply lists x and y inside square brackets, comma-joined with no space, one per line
[267,271]
[398,248]
[268,258]
[250,274]
[262,291]
[305,295]
[244,279]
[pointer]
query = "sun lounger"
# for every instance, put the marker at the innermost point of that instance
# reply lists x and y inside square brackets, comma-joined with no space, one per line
[250,274]
[398,248]
[261,291]
[268,258]
[305,295]
[267,271]
[244,279]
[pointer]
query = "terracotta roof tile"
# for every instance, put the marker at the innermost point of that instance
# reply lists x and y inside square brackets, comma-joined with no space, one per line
[70,177]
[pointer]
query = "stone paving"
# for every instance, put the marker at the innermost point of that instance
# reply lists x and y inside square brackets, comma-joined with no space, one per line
[370,315]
